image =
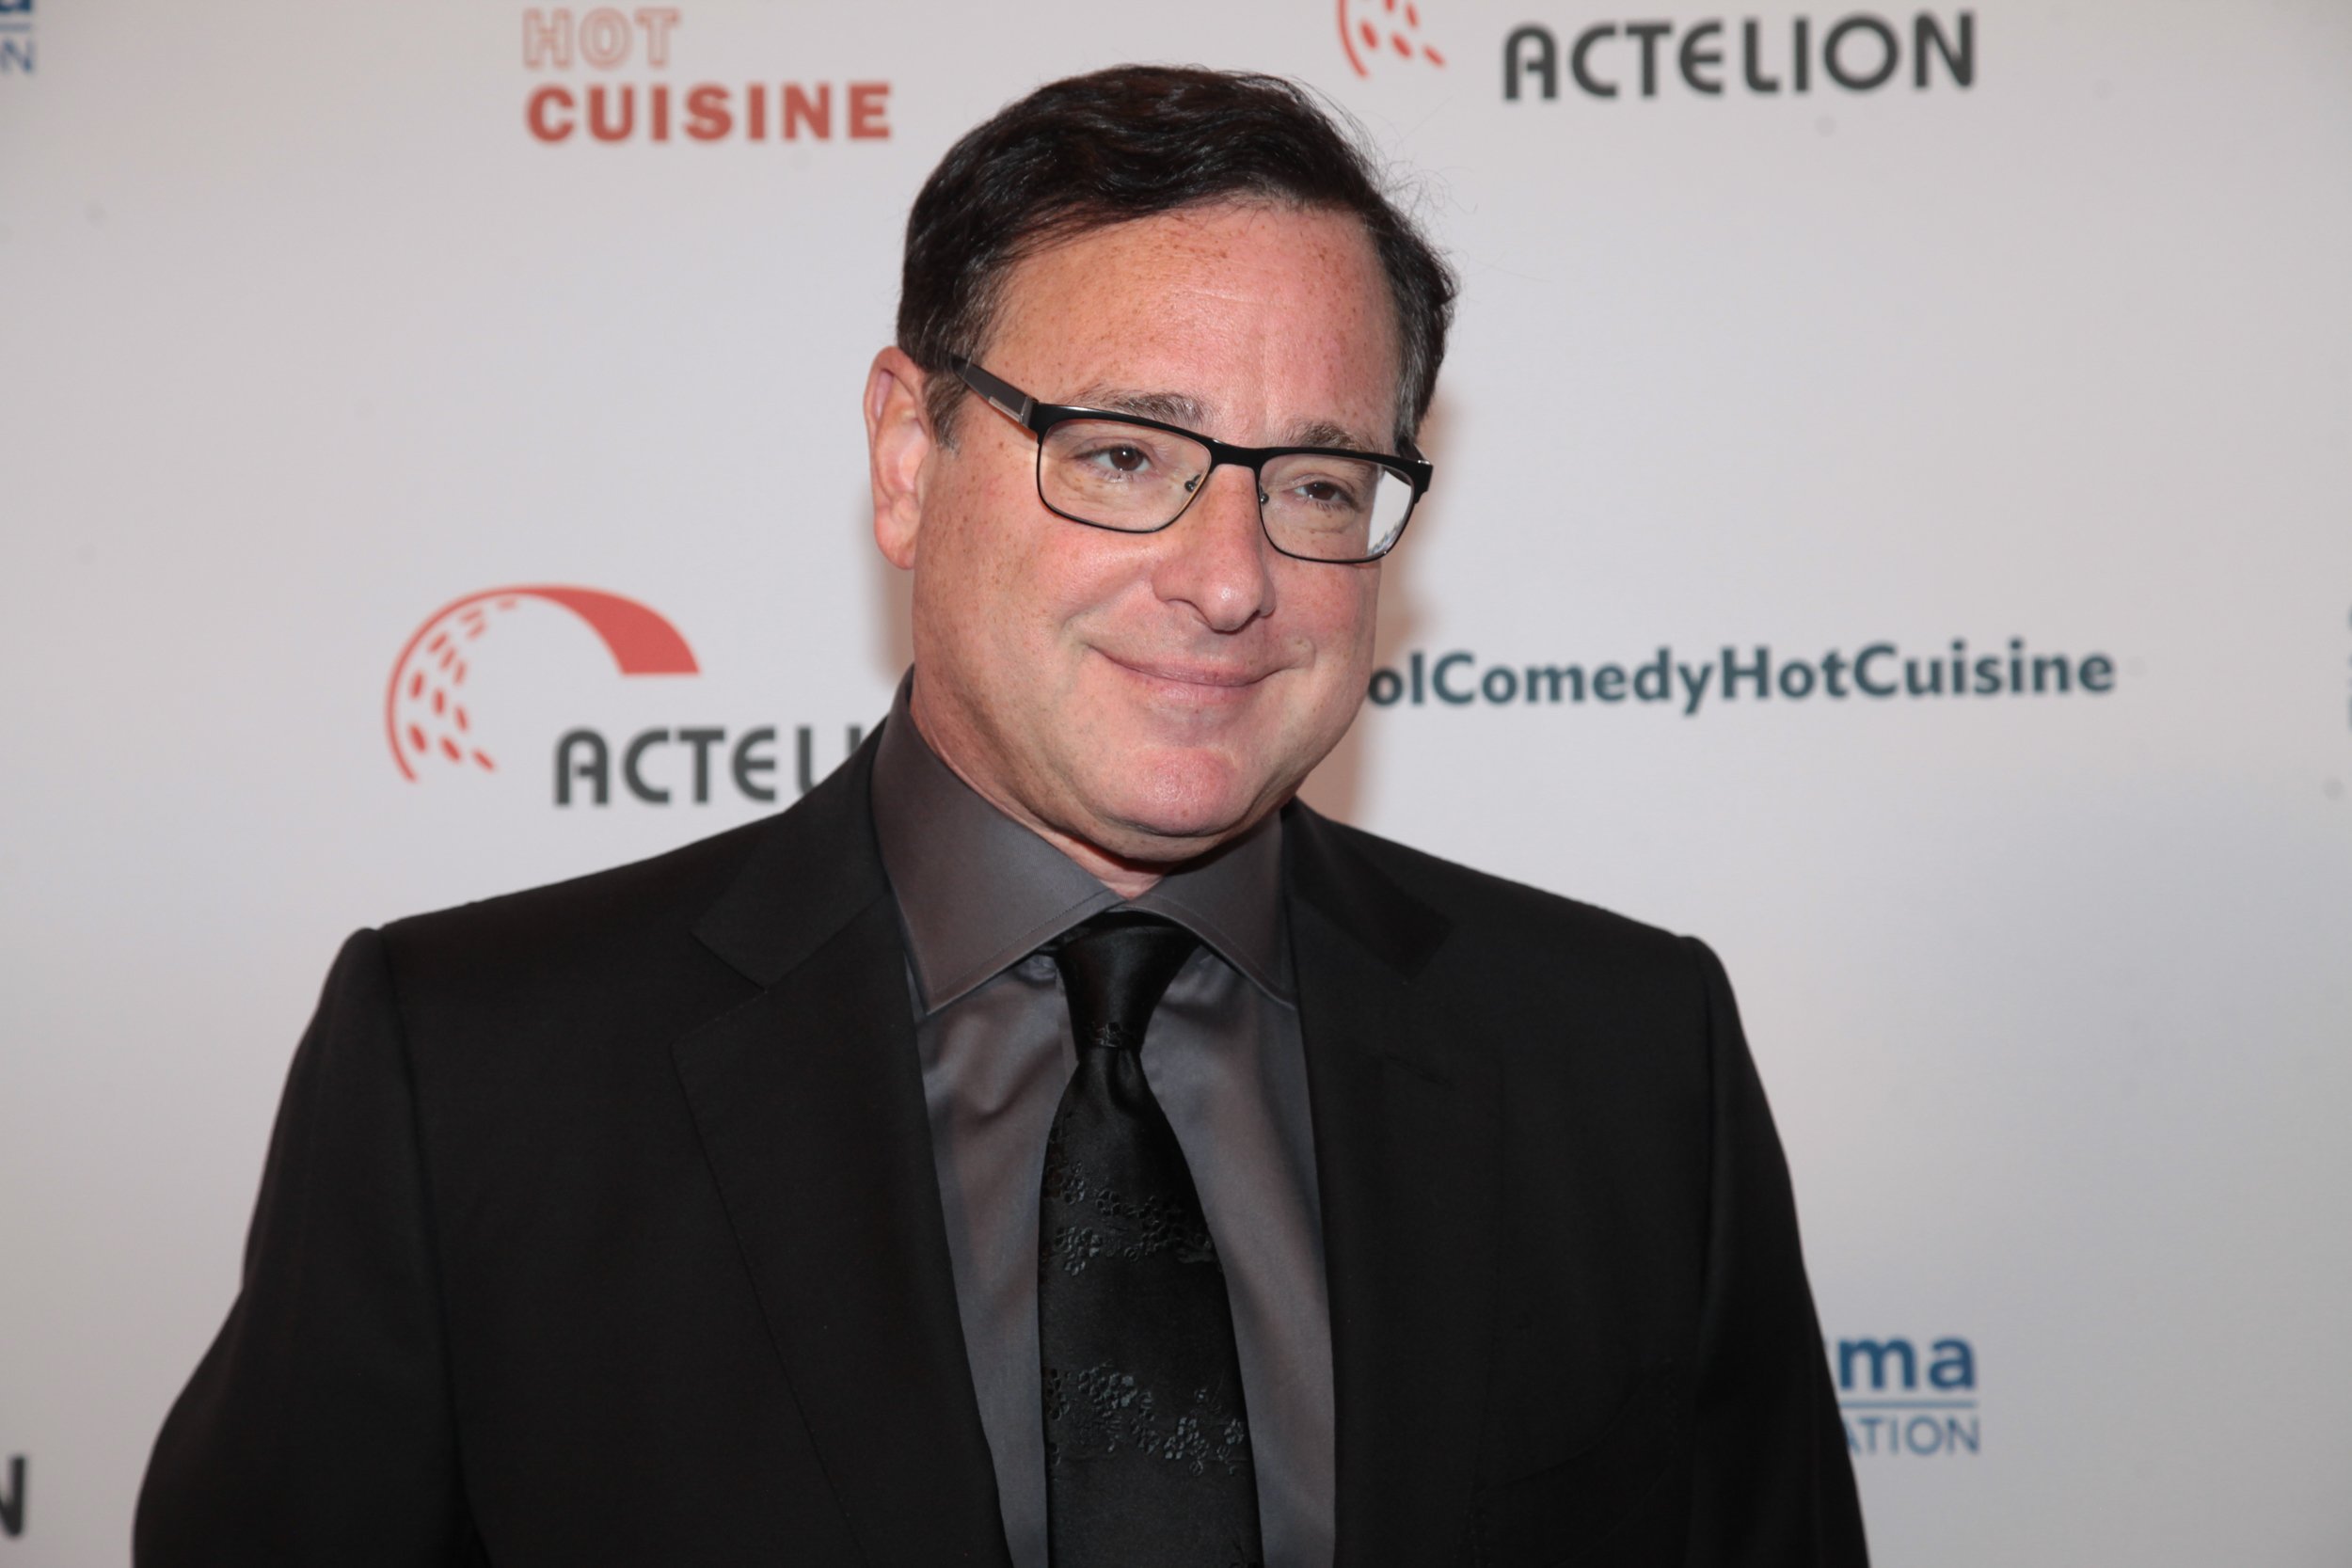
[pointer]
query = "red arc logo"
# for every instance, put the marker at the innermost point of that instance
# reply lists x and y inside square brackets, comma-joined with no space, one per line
[1368,26]
[424,705]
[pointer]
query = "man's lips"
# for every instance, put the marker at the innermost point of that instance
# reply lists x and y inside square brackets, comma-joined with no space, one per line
[1207,676]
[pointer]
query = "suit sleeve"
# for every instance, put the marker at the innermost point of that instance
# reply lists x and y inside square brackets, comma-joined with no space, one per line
[1773,1485]
[318,1427]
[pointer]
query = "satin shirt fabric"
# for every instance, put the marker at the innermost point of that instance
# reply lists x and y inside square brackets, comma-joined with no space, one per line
[977,894]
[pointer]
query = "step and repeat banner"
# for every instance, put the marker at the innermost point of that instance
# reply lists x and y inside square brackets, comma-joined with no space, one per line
[1893,520]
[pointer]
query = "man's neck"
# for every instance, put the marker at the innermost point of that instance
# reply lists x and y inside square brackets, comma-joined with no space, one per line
[1130,880]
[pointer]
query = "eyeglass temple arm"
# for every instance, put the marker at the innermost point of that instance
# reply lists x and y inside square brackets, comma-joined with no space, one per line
[1002,395]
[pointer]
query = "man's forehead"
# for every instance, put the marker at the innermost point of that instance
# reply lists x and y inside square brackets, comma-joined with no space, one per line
[1212,255]
[1174,316]
[1201,414]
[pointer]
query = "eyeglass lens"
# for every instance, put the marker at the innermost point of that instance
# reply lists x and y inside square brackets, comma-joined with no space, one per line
[1138,480]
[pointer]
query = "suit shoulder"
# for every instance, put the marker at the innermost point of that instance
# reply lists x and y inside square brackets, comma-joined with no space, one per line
[1551,983]
[1479,901]
[566,925]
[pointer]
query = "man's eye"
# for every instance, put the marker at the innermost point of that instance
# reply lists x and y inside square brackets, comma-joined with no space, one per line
[1324,494]
[1120,457]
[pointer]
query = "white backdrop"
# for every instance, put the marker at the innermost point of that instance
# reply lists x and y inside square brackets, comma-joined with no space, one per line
[304,333]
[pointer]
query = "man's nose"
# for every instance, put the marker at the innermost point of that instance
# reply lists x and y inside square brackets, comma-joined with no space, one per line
[1218,561]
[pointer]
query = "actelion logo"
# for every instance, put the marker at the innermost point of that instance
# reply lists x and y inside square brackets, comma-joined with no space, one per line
[1855,54]
[1900,1397]
[429,711]
[584,767]
[1376,31]
[1876,671]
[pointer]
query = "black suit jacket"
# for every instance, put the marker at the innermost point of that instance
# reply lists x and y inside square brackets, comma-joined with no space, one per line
[600,1226]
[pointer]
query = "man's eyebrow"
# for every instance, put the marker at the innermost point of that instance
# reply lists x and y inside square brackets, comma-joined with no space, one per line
[1169,408]
[1177,408]
[1317,432]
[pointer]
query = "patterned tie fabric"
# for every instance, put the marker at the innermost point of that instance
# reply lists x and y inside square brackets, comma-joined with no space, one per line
[1147,1449]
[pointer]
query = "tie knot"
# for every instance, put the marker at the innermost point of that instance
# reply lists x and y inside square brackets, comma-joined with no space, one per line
[1114,971]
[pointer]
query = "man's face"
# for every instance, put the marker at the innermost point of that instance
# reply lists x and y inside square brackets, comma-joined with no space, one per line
[1146,697]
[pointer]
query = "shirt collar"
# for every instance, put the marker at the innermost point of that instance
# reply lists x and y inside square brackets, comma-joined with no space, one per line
[979,892]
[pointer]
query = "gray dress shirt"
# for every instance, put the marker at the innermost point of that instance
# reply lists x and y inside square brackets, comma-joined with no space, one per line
[977,894]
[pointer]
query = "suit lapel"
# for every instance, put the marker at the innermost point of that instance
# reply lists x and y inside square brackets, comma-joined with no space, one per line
[1405,1120]
[809,1101]
[809,1098]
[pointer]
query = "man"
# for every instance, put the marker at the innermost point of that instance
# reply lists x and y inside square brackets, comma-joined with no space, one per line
[1047,1143]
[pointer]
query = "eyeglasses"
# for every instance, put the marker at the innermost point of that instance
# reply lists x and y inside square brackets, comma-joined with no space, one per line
[1133,475]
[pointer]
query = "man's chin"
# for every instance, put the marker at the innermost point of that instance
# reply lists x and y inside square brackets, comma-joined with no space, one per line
[1164,846]
[1167,826]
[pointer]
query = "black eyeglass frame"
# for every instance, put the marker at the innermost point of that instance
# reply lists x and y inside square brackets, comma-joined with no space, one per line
[1039,418]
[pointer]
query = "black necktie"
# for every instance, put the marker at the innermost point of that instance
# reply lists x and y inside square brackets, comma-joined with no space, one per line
[1147,1449]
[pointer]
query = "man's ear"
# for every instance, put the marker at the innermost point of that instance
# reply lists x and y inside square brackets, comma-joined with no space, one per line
[898,446]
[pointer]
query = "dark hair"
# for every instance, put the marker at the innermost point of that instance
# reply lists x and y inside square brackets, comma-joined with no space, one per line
[1088,152]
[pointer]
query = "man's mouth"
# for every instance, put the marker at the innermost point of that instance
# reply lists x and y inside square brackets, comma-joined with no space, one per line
[1208,678]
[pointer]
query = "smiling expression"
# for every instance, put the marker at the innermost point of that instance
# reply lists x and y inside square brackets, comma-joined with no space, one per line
[1140,698]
